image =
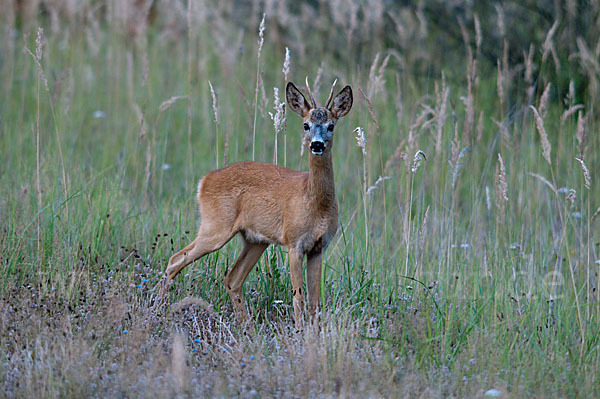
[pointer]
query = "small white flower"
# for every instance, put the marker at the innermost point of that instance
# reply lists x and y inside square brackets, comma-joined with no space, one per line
[99,114]
[166,166]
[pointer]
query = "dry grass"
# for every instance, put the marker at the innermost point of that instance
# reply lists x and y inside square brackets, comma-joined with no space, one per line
[111,345]
[428,289]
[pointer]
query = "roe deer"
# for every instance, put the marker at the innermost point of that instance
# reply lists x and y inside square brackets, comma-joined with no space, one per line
[270,204]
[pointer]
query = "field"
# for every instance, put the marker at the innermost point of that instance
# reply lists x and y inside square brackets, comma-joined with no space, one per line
[467,258]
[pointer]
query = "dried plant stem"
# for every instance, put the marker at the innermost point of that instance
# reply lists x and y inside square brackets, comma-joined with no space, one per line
[501,195]
[285,142]
[255,110]
[41,77]
[371,111]
[275,162]
[361,140]
[216,113]
[562,212]
[60,154]
[226,146]
[374,119]
[500,85]
[286,71]
[148,170]
[37,168]
[572,273]
[588,260]
[365,184]
[217,145]
[407,228]
[189,97]
[260,44]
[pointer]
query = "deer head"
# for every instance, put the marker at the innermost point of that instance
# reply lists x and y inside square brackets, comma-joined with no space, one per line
[319,122]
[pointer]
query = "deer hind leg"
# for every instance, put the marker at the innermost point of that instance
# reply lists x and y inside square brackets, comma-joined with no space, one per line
[295,259]
[237,275]
[208,240]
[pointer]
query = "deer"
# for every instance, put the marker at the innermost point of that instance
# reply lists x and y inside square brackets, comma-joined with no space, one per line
[269,204]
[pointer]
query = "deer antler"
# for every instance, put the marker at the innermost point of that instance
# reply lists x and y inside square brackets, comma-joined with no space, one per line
[330,94]
[312,99]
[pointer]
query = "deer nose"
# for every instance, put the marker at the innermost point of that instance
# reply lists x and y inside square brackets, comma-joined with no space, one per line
[317,147]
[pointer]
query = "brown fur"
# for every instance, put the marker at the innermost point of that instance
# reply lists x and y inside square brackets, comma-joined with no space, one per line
[269,204]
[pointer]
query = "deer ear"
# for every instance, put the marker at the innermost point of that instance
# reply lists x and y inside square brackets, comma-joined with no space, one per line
[342,103]
[296,100]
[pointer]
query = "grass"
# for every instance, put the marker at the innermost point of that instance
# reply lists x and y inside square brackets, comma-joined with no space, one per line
[437,283]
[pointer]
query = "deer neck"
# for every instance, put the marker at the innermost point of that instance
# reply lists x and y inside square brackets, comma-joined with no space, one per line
[321,188]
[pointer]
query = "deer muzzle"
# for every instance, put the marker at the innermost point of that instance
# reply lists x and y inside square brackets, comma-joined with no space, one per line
[317,147]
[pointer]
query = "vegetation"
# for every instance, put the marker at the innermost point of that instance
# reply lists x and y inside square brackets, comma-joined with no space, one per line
[466,262]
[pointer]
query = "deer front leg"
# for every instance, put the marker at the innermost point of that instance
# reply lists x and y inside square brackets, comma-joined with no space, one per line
[295,259]
[313,281]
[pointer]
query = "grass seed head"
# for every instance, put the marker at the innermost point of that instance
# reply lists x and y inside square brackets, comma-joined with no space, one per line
[215,106]
[503,186]
[380,180]
[261,35]
[286,64]
[543,107]
[539,123]
[548,45]
[586,173]
[545,181]
[478,35]
[419,156]
[279,117]
[165,105]
[39,44]
[581,133]
[361,139]
[500,82]
[458,166]
[529,66]
[501,20]
[570,111]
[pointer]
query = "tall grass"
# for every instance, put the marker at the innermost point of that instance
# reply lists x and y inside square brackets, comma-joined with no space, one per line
[477,271]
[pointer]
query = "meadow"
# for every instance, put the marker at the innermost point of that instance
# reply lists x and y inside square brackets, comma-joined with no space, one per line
[466,262]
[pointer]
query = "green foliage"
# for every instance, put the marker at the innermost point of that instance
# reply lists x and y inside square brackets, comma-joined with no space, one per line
[437,283]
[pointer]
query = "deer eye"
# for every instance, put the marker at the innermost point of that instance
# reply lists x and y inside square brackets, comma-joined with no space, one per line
[306,127]
[330,128]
